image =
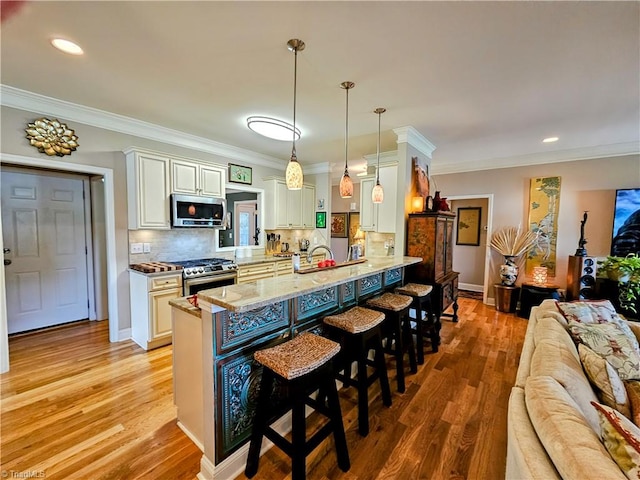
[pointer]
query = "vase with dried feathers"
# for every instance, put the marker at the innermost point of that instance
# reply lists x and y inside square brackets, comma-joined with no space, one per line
[512,243]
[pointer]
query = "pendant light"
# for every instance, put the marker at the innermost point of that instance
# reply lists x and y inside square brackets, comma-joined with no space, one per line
[377,194]
[346,184]
[293,174]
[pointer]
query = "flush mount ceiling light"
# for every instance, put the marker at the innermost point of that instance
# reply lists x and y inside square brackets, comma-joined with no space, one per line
[550,140]
[377,194]
[293,174]
[346,184]
[67,46]
[272,128]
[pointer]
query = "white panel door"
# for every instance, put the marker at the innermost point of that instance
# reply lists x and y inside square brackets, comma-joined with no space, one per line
[43,226]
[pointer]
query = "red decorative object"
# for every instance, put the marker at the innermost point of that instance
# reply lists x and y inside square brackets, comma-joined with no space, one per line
[8,8]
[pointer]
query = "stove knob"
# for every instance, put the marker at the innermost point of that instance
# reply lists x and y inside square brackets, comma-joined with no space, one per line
[200,270]
[188,271]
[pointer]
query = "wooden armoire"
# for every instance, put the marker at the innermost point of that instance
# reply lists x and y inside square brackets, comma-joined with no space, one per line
[430,236]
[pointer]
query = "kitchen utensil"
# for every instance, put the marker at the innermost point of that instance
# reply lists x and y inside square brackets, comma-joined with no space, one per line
[284,247]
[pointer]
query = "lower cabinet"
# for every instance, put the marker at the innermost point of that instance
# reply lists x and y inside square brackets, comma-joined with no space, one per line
[258,271]
[150,309]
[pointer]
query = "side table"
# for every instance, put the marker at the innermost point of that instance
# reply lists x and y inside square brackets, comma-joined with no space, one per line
[506,298]
[532,294]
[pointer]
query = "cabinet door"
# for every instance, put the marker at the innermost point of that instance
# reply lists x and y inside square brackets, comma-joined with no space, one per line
[184,177]
[368,209]
[440,247]
[387,212]
[211,181]
[308,206]
[294,208]
[160,312]
[280,205]
[448,247]
[152,192]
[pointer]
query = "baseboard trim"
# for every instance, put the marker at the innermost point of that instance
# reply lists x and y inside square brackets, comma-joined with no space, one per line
[191,436]
[124,334]
[472,287]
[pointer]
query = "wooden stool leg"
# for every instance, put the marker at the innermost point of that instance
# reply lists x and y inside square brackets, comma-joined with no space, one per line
[363,390]
[398,351]
[335,416]
[298,435]
[419,336]
[381,368]
[259,423]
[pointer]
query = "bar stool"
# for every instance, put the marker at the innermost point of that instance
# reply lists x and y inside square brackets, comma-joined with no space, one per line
[421,295]
[302,365]
[359,331]
[397,329]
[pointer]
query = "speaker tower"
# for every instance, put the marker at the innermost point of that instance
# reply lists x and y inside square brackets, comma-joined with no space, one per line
[581,278]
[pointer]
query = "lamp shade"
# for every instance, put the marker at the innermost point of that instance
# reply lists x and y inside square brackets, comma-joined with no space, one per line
[346,186]
[293,175]
[540,275]
[417,204]
[377,194]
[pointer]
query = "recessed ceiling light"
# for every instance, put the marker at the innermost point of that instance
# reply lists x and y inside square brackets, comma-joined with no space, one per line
[272,128]
[66,46]
[550,140]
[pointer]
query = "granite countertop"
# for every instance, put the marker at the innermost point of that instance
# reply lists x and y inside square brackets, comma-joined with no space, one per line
[183,304]
[248,296]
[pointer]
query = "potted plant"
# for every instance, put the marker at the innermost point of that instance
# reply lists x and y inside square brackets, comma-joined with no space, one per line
[626,271]
[511,242]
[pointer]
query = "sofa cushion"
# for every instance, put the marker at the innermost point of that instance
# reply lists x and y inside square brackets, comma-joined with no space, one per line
[549,329]
[621,439]
[549,309]
[556,360]
[569,440]
[610,342]
[633,393]
[603,376]
[593,311]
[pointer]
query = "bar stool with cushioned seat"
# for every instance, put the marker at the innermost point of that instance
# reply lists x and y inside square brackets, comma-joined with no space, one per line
[302,365]
[421,295]
[397,329]
[359,331]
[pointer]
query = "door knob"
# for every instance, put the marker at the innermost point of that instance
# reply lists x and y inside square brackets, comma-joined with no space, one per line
[6,250]
[7,262]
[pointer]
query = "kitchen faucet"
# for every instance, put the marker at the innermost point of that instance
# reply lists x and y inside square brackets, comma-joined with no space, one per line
[310,254]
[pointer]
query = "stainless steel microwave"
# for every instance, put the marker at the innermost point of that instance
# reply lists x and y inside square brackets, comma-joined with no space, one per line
[193,211]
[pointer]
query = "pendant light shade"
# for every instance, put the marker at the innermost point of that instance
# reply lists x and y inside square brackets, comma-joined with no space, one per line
[293,174]
[377,194]
[346,184]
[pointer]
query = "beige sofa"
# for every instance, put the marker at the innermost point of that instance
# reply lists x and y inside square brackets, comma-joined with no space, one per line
[553,430]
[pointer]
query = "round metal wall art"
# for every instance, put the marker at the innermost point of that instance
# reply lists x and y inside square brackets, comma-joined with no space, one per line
[51,137]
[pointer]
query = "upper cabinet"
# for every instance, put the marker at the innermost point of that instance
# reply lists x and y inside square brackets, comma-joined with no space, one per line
[286,208]
[379,217]
[147,190]
[193,178]
[152,176]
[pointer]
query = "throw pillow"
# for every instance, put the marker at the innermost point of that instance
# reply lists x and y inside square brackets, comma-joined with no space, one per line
[595,311]
[610,389]
[621,438]
[610,342]
[633,393]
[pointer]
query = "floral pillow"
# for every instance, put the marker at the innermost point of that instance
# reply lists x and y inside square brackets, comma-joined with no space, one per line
[596,311]
[610,389]
[621,438]
[610,342]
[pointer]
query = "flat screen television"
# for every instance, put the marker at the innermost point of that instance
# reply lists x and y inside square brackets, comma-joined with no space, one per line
[626,223]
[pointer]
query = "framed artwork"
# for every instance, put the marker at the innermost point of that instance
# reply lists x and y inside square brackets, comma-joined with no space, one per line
[339,225]
[419,178]
[626,223]
[240,174]
[468,229]
[544,205]
[321,219]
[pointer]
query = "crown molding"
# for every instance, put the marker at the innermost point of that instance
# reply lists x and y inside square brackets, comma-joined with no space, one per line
[558,156]
[414,138]
[315,168]
[34,102]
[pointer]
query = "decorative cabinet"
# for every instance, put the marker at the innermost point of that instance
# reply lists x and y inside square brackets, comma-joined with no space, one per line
[379,217]
[286,208]
[430,236]
[147,190]
[192,178]
[150,309]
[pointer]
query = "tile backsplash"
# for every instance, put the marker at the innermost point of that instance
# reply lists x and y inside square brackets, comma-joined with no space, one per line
[168,245]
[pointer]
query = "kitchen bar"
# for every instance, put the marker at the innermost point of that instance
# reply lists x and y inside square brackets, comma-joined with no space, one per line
[215,376]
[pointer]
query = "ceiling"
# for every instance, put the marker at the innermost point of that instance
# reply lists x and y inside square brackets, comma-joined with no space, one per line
[485,82]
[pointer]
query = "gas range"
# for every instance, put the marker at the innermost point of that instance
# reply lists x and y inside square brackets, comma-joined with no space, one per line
[205,267]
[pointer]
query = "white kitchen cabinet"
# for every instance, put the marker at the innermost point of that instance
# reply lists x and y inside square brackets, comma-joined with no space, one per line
[147,190]
[256,271]
[192,178]
[150,309]
[379,217]
[286,208]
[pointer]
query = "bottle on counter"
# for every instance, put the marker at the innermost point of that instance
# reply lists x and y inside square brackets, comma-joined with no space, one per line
[295,261]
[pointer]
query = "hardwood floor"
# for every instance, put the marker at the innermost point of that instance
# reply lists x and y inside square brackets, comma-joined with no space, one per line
[75,406]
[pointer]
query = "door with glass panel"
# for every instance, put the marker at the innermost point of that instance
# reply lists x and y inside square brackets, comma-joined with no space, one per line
[245,214]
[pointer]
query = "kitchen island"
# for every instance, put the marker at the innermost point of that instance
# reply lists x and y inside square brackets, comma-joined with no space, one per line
[215,376]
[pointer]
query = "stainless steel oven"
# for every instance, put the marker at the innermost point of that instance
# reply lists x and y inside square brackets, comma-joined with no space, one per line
[206,273]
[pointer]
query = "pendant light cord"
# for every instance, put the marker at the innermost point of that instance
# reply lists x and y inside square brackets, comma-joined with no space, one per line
[346,133]
[295,89]
[379,112]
